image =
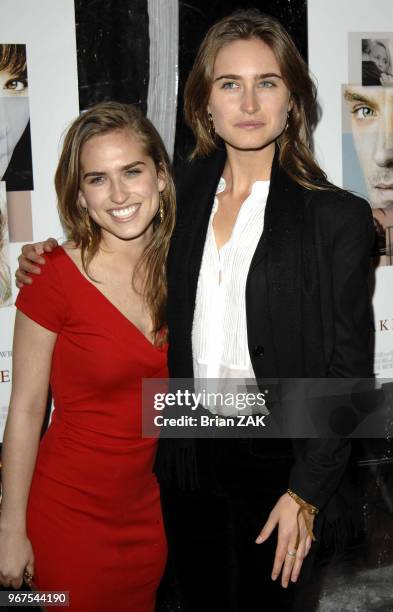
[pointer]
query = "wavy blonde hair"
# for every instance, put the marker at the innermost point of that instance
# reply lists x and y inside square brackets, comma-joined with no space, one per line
[294,143]
[101,119]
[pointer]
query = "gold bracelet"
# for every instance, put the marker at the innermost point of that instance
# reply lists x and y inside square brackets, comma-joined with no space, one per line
[306,510]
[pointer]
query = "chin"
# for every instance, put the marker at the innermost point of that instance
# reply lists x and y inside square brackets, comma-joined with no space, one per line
[378,202]
[249,142]
[249,145]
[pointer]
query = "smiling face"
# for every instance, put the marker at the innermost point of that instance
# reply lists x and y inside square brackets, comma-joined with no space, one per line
[249,100]
[119,186]
[371,111]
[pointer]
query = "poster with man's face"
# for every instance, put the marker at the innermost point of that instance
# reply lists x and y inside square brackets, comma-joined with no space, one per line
[368,132]
[15,143]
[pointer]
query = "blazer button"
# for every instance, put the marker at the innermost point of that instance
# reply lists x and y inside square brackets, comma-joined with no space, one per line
[258,351]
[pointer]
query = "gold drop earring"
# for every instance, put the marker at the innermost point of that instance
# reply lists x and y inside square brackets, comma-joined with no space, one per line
[161,209]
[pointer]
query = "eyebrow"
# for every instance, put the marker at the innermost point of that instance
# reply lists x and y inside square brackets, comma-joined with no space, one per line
[352,96]
[123,168]
[237,77]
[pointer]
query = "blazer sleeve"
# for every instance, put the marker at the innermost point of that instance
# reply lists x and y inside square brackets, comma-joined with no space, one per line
[320,463]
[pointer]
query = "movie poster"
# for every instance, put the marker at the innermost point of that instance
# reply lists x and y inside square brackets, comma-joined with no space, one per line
[354,136]
[5,269]
[38,99]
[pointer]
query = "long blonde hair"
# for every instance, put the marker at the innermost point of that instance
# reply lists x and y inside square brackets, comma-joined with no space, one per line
[294,143]
[84,232]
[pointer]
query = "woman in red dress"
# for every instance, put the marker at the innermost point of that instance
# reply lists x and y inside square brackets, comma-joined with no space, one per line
[87,518]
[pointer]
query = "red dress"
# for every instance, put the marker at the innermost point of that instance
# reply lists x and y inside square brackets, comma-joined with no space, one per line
[94,514]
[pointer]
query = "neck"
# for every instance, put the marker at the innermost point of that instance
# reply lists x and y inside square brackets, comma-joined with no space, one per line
[127,252]
[243,168]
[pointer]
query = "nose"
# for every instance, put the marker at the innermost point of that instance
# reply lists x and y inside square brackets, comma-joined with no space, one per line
[118,192]
[383,154]
[250,102]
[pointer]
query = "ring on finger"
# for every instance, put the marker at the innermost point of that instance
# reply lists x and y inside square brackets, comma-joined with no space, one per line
[27,576]
[291,553]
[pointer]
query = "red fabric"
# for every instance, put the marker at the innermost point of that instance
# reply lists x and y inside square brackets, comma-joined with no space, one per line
[94,515]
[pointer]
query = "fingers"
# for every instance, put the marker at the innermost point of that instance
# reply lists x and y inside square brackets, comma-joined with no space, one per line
[16,583]
[281,557]
[28,574]
[49,245]
[25,268]
[291,565]
[301,554]
[32,253]
[11,581]
[267,529]
[290,561]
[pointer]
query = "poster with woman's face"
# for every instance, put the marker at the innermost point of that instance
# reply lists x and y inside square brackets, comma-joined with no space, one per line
[5,274]
[15,143]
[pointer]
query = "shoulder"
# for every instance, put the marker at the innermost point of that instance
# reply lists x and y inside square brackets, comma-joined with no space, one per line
[55,276]
[56,257]
[45,300]
[338,207]
[189,173]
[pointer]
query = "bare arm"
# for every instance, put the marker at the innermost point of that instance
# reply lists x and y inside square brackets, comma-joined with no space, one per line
[32,356]
[31,254]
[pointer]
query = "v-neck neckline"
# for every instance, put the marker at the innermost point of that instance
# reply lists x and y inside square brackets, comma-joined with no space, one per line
[107,300]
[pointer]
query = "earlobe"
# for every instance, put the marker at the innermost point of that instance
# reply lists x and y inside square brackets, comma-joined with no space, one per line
[161,182]
[81,200]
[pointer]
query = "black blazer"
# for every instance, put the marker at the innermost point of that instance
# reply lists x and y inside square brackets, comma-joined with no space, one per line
[307,304]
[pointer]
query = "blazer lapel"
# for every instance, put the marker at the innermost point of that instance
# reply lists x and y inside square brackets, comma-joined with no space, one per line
[281,246]
[201,193]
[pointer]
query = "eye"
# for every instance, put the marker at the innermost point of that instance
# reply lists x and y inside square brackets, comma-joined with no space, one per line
[133,172]
[229,85]
[363,112]
[16,85]
[266,84]
[96,180]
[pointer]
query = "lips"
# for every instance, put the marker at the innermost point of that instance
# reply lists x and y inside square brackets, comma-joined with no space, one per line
[249,125]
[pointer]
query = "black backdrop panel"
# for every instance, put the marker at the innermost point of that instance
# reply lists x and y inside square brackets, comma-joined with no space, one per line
[113,51]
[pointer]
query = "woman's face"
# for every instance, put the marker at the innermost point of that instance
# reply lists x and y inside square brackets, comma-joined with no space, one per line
[119,186]
[14,114]
[249,100]
[12,85]
[379,56]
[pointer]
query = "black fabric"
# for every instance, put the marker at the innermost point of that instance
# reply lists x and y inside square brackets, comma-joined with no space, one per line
[308,308]
[212,532]
[371,74]
[306,302]
[19,173]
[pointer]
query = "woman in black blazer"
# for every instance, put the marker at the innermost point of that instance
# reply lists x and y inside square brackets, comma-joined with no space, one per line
[249,99]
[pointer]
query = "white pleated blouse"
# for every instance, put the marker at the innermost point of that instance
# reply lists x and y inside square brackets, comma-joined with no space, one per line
[219,332]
